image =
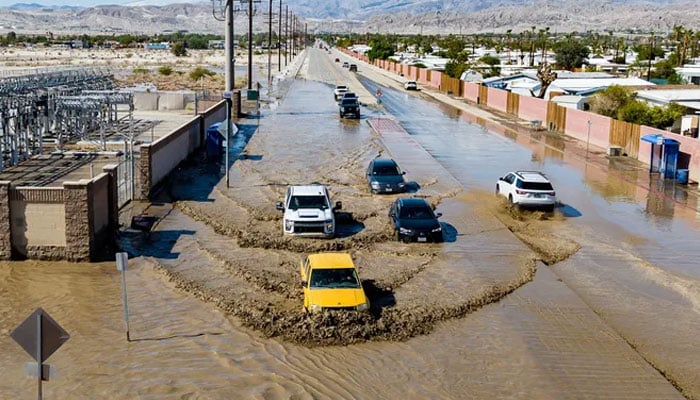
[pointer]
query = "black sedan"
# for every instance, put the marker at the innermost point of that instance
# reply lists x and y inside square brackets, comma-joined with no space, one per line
[414,220]
[385,176]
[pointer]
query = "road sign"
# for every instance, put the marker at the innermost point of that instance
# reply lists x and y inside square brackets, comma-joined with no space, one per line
[52,335]
[227,95]
[122,261]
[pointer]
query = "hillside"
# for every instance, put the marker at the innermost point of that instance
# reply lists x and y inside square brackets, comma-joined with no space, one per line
[400,16]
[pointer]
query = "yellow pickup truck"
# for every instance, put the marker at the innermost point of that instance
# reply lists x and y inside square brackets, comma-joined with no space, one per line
[330,282]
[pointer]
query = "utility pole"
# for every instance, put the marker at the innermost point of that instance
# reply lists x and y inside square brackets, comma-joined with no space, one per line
[230,51]
[250,44]
[269,50]
[279,40]
[286,34]
[306,34]
[293,32]
[651,55]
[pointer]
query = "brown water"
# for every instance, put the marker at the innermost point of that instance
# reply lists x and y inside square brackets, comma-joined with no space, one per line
[216,314]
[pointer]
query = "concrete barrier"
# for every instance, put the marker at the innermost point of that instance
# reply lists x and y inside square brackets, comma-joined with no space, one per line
[171,101]
[145,101]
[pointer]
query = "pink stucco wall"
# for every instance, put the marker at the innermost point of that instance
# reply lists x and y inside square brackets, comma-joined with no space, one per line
[531,108]
[414,73]
[471,91]
[423,76]
[435,79]
[577,127]
[497,99]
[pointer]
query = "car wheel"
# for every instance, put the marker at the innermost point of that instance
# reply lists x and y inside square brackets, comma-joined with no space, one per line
[406,239]
[549,209]
[497,191]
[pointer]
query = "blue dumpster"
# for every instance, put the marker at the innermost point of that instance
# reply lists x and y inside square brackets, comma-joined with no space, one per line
[682,176]
[214,141]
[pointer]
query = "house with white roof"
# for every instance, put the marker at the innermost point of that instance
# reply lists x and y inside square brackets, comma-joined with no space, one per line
[689,98]
[690,73]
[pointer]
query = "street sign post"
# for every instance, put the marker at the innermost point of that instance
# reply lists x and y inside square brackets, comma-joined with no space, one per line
[122,265]
[40,336]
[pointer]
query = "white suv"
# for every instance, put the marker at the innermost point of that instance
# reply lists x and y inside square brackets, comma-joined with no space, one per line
[528,189]
[308,211]
[339,91]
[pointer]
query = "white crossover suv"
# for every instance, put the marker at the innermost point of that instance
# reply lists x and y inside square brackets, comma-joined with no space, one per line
[527,189]
[308,211]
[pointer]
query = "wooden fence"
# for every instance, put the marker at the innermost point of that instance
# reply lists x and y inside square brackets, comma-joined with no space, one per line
[626,135]
[451,85]
[556,117]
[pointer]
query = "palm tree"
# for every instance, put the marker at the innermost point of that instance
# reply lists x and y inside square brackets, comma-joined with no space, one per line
[508,32]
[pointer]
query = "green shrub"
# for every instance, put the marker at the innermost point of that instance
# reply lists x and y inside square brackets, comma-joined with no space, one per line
[140,70]
[200,72]
[165,70]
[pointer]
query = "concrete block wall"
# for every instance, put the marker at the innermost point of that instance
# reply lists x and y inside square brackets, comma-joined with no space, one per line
[79,217]
[5,218]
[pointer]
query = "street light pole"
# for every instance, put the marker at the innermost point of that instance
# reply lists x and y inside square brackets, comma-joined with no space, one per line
[279,40]
[250,44]
[230,52]
[286,34]
[269,50]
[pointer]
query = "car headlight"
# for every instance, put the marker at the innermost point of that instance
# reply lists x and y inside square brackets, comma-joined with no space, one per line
[316,308]
[288,225]
[438,229]
[362,307]
[375,185]
[328,225]
[401,184]
[404,230]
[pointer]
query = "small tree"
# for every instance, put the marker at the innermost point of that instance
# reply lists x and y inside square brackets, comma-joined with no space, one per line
[608,101]
[179,49]
[570,53]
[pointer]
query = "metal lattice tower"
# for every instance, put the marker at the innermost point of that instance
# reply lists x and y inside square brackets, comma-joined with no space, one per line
[64,104]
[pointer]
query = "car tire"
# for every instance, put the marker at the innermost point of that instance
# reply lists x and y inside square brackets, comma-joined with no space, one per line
[549,209]
[497,191]
[406,239]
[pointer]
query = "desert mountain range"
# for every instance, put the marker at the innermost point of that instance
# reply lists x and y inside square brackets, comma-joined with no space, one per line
[399,16]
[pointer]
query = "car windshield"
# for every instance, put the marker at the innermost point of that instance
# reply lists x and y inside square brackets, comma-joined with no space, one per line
[416,212]
[386,170]
[536,186]
[349,101]
[315,202]
[341,88]
[334,278]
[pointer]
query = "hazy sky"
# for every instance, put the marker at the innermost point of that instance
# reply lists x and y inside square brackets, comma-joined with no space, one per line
[89,3]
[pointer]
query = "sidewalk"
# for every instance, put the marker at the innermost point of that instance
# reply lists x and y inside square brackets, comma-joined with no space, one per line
[574,151]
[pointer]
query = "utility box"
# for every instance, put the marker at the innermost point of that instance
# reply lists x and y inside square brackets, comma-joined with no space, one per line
[252,95]
[614,151]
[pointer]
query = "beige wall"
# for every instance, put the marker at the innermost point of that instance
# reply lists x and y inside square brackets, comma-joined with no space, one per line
[37,224]
[170,150]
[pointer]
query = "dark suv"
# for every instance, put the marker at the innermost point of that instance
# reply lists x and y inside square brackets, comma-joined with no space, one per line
[349,106]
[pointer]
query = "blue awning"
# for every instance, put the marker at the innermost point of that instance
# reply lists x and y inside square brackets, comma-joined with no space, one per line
[659,140]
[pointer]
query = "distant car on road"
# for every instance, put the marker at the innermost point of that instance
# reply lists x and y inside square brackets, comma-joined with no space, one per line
[527,189]
[414,221]
[352,68]
[337,60]
[331,283]
[410,85]
[385,176]
[346,64]
[339,91]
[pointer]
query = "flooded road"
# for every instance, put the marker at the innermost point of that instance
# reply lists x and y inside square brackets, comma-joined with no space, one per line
[638,264]
[216,310]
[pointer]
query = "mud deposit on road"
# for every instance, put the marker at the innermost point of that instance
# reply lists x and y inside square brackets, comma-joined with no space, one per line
[240,261]
[534,228]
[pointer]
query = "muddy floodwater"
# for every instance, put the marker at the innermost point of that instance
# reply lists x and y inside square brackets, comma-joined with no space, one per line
[216,305]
